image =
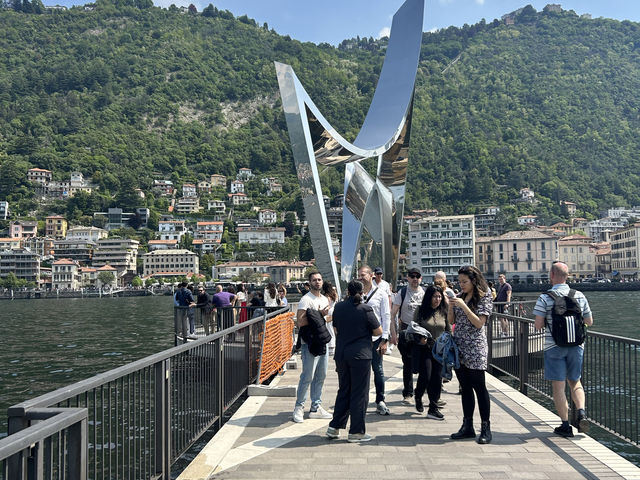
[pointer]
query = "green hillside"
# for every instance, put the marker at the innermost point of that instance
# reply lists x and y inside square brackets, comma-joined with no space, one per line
[127,94]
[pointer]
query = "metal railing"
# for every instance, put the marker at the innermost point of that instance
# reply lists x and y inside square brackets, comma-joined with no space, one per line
[609,372]
[137,420]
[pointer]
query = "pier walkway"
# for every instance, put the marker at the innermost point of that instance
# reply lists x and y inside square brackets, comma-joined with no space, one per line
[261,441]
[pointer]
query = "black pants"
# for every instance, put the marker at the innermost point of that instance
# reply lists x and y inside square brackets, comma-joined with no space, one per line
[353,394]
[473,381]
[429,374]
[407,374]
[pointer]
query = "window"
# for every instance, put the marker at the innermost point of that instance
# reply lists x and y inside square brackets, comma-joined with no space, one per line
[502,256]
[500,247]
[515,247]
[528,246]
[544,266]
[543,247]
[543,254]
[515,266]
[502,267]
[480,249]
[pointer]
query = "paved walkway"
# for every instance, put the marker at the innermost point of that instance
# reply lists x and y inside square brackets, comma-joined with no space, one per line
[261,441]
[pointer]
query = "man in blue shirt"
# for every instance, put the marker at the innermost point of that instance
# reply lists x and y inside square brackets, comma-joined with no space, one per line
[183,300]
[563,364]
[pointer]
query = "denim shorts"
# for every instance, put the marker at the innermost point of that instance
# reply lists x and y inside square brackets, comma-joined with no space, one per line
[563,363]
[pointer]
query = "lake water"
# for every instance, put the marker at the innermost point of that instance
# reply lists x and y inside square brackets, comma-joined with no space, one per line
[47,344]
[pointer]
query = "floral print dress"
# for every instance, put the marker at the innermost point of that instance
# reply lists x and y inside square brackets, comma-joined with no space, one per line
[472,341]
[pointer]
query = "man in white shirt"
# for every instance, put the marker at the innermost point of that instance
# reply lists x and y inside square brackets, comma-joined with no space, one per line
[314,368]
[381,283]
[379,302]
[405,303]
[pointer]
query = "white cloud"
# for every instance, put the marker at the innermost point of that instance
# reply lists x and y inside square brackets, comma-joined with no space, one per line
[480,2]
[385,32]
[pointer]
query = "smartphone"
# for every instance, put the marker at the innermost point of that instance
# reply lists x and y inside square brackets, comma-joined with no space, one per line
[450,294]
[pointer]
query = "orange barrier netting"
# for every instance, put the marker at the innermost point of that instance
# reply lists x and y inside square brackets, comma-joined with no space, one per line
[278,344]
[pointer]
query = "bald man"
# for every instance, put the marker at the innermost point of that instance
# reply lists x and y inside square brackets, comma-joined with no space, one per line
[563,364]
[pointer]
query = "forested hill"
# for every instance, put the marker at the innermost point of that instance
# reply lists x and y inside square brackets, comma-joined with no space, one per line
[128,94]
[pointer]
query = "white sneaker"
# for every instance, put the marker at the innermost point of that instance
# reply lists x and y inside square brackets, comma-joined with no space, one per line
[407,400]
[298,414]
[389,350]
[382,409]
[359,437]
[320,413]
[332,433]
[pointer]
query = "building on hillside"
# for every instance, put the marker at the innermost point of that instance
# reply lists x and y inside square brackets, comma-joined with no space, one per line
[274,188]
[39,175]
[623,213]
[527,195]
[80,251]
[23,229]
[163,187]
[77,183]
[56,226]
[8,243]
[334,221]
[236,199]
[552,7]
[244,174]
[204,187]
[218,181]
[203,246]
[441,243]
[625,252]
[488,223]
[218,207]
[23,263]
[568,208]
[600,229]
[528,220]
[209,230]
[186,205]
[90,234]
[603,259]
[116,218]
[119,253]
[260,235]
[170,260]
[172,229]
[523,256]
[4,210]
[162,245]
[579,254]
[65,274]
[563,227]
[267,216]
[189,190]
[236,187]
[42,246]
[283,216]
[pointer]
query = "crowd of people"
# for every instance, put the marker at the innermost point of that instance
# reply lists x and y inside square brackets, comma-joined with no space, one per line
[434,329]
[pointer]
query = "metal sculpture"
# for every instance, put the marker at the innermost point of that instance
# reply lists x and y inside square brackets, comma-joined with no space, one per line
[376,204]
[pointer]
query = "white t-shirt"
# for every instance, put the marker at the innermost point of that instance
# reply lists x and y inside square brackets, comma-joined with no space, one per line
[309,300]
[383,286]
[379,302]
[412,301]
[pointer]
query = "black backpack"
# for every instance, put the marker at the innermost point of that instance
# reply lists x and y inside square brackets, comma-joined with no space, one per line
[567,324]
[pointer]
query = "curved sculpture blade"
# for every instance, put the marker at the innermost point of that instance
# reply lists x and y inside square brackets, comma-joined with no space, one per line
[374,203]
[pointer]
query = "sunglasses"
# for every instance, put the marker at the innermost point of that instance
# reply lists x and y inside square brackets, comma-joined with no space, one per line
[415,275]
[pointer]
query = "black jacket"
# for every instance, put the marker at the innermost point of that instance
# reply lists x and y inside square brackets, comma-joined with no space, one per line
[315,333]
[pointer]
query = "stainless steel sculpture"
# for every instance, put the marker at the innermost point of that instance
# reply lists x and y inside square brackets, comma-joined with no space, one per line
[376,204]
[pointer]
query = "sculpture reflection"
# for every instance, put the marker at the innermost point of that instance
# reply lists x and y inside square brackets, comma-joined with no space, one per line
[375,204]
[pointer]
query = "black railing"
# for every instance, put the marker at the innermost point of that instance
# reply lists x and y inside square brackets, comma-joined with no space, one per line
[137,420]
[609,376]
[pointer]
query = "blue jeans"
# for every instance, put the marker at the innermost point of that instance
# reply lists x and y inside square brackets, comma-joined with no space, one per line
[314,371]
[378,371]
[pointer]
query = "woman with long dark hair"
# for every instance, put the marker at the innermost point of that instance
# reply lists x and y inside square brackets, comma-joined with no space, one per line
[329,291]
[354,323]
[470,311]
[432,316]
[271,298]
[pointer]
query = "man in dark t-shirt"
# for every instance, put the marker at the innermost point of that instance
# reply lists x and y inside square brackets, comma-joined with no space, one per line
[503,295]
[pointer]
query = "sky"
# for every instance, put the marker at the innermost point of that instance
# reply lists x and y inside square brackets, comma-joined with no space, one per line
[332,21]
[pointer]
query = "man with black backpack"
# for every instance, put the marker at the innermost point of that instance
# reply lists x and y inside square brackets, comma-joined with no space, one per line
[564,313]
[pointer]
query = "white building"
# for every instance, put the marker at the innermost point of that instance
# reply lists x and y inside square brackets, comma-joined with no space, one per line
[267,217]
[218,181]
[209,231]
[238,199]
[168,261]
[260,235]
[22,262]
[527,195]
[171,229]
[164,187]
[186,205]
[625,252]
[523,256]
[237,186]
[204,186]
[274,188]
[441,243]
[65,274]
[244,174]
[4,210]
[92,234]
[39,175]
[598,229]
[120,253]
[217,206]
[527,220]
[189,190]
[162,245]
[77,184]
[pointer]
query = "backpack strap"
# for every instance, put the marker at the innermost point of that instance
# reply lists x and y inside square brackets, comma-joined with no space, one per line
[554,296]
[572,293]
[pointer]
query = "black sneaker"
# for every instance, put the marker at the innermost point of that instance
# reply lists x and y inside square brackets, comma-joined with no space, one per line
[435,414]
[563,431]
[419,404]
[441,403]
[583,423]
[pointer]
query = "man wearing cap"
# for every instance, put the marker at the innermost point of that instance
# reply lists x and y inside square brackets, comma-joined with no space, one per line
[384,286]
[405,303]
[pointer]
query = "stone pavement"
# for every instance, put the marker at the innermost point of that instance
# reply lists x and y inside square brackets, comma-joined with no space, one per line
[261,441]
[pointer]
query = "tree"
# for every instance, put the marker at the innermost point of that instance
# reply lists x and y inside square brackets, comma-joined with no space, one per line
[106,278]
[248,276]
[136,282]
[11,281]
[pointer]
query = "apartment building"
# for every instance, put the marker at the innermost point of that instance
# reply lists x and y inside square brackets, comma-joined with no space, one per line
[523,256]
[163,187]
[89,234]
[120,253]
[216,206]
[56,226]
[43,246]
[237,186]
[186,205]
[166,261]
[79,251]
[4,210]
[625,251]
[578,252]
[23,229]
[65,274]
[172,229]
[39,175]
[218,181]
[441,243]
[260,235]
[23,263]
[267,216]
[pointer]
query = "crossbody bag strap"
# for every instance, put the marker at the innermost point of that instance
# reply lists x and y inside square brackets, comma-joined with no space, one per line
[372,294]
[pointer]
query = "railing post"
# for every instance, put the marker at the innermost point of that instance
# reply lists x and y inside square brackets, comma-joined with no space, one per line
[17,464]
[162,412]
[264,334]
[524,355]
[220,386]
[78,450]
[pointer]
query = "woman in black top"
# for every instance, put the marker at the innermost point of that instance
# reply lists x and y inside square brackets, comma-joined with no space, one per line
[432,316]
[354,323]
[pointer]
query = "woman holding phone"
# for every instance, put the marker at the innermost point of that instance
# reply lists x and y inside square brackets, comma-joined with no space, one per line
[470,311]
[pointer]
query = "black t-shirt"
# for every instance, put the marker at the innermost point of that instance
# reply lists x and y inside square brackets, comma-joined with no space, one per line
[354,324]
